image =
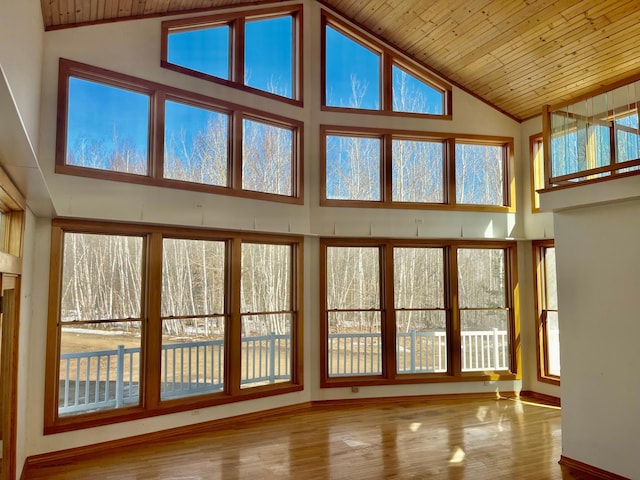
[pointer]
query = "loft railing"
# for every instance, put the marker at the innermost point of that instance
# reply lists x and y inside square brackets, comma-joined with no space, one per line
[105,379]
[593,138]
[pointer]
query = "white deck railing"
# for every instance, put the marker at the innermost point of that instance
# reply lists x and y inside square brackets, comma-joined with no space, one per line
[108,378]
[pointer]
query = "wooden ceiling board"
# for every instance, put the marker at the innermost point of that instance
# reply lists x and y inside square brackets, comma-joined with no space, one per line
[515,54]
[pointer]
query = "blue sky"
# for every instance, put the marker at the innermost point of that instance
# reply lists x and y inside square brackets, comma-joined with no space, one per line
[268,66]
[98,112]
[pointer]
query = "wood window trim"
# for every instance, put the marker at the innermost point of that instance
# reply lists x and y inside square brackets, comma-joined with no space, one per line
[449,141]
[236,21]
[388,58]
[536,147]
[454,373]
[150,403]
[542,366]
[158,94]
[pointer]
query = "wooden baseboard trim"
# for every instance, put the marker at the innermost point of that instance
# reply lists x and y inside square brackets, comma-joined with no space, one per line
[547,399]
[583,471]
[354,402]
[61,455]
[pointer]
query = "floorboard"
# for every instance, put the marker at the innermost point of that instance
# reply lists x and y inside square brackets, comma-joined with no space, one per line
[453,439]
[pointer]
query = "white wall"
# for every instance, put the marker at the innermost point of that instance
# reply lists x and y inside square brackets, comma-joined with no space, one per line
[21,35]
[134,48]
[598,266]
[537,226]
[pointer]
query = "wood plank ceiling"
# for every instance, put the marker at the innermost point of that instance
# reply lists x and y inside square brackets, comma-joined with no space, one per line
[516,54]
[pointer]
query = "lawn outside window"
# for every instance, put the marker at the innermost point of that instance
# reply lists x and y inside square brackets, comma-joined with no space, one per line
[147,320]
[417,311]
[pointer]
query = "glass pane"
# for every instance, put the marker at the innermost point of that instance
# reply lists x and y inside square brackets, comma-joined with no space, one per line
[627,137]
[266,278]
[267,158]
[485,340]
[266,349]
[421,341]
[412,95]
[418,171]
[564,147]
[481,278]
[117,138]
[101,277]
[353,168]
[479,174]
[99,367]
[418,277]
[353,278]
[195,144]
[553,343]
[354,344]
[352,73]
[204,50]
[193,277]
[268,55]
[537,166]
[192,361]
[550,278]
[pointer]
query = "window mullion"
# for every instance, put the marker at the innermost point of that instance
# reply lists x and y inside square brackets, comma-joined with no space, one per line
[156,134]
[386,79]
[236,151]
[449,171]
[386,168]
[233,340]
[152,337]
[454,339]
[389,367]
[237,51]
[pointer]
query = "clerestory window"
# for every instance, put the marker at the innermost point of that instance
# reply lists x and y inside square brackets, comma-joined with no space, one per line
[396,169]
[258,51]
[362,74]
[110,126]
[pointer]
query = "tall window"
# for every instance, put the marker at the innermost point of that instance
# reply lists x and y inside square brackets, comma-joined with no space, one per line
[193,317]
[267,314]
[548,339]
[145,321]
[354,311]
[411,311]
[375,168]
[198,135]
[259,52]
[420,307]
[536,166]
[360,73]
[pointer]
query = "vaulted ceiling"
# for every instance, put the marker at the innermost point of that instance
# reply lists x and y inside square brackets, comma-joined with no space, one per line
[515,54]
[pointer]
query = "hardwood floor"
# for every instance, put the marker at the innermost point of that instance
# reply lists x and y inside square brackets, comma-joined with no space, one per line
[452,439]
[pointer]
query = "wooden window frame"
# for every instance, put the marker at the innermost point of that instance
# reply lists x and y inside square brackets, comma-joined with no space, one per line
[536,170]
[236,22]
[542,344]
[454,373]
[388,58]
[158,94]
[150,400]
[449,187]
